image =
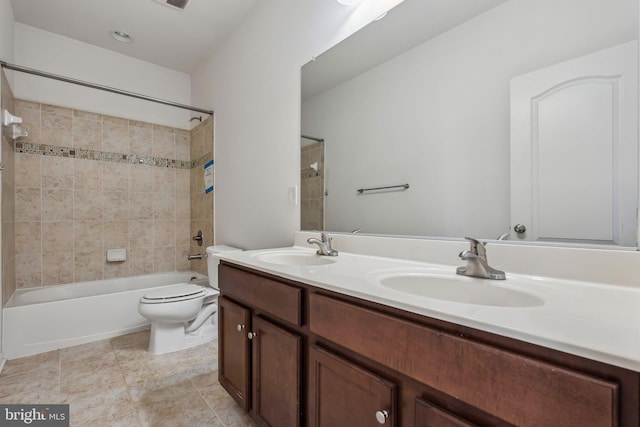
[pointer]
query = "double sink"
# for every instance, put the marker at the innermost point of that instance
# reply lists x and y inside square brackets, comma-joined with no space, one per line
[437,283]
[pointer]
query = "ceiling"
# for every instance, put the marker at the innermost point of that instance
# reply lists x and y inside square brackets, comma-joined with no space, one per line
[409,24]
[177,39]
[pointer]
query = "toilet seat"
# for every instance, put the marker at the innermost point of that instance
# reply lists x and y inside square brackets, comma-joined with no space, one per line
[182,292]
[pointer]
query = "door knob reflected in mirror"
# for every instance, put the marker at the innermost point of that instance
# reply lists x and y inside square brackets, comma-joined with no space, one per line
[519,228]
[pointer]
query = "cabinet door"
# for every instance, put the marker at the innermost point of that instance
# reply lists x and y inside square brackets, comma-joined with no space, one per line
[429,415]
[233,350]
[277,356]
[344,394]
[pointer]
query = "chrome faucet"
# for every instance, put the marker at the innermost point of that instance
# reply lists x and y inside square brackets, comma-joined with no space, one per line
[477,265]
[324,244]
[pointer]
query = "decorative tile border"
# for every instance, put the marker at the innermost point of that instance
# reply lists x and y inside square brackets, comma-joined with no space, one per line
[202,160]
[79,153]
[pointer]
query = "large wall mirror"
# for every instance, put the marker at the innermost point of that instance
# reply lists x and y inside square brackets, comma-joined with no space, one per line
[510,119]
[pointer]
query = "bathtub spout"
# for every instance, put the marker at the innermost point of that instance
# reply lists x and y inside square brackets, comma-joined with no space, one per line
[206,312]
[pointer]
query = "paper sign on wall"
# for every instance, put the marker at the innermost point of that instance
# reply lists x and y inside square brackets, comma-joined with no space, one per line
[208,177]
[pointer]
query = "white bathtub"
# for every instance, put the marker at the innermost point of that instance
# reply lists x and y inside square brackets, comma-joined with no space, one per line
[37,320]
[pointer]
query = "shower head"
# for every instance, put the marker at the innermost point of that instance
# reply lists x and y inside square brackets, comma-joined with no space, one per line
[174,4]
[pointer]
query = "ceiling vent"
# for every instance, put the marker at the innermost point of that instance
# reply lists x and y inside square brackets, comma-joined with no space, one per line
[175,4]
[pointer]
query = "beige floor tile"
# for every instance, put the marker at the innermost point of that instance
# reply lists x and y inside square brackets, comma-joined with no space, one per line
[46,379]
[85,351]
[26,364]
[117,382]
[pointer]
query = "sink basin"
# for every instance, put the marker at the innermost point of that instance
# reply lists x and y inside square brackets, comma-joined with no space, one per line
[459,289]
[294,258]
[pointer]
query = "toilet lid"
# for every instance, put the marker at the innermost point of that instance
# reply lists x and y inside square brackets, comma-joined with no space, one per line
[174,293]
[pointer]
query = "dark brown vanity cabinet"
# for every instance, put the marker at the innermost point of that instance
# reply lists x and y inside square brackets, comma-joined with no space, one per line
[260,362]
[342,393]
[336,360]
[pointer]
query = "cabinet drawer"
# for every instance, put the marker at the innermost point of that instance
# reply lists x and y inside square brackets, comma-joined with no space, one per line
[276,298]
[429,415]
[518,389]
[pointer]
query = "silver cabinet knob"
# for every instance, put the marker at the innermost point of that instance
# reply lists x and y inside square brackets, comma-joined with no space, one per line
[382,417]
[240,328]
[252,335]
[519,228]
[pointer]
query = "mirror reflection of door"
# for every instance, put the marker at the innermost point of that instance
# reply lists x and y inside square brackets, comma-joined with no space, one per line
[574,149]
[312,190]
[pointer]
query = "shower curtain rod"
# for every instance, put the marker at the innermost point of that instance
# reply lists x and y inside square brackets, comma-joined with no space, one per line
[101,87]
[312,138]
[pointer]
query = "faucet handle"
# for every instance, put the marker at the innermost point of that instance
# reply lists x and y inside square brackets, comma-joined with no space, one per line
[477,247]
[324,236]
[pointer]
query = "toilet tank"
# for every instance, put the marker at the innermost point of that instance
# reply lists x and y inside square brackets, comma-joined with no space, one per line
[213,261]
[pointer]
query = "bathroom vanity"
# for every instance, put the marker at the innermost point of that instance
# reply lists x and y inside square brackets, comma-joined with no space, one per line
[302,344]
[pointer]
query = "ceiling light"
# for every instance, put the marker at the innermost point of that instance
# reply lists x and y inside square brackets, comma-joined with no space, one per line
[121,36]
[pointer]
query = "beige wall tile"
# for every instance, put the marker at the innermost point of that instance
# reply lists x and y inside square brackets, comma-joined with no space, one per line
[164,233]
[28,271]
[58,269]
[115,135]
[57,237]
[164,206]
[115,205]
[183,146]
[87,132]
[183,233]
[28,204]
[141,178]
[164,259]
[56,126]
[140,138]
[28,237]
[163,142]
[140,234]
[57,205]
[141,261]
[89,265]
[116,235]
[114,270]
[28,171]
[57,172]
[164,180]
[72,210]
[87,175]
[140,206]
[87,205]
[183,206]
[183,180]
[115,176]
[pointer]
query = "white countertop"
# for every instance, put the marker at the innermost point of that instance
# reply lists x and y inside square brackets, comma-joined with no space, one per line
[592,320]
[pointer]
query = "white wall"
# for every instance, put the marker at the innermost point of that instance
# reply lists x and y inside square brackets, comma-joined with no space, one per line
[6,54]
[437,117]
[253,84]
[6,34]
[45,51]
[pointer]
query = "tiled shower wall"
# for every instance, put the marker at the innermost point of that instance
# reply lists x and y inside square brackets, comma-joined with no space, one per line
[312,187]
[201,202]
[86,183]
[8,199]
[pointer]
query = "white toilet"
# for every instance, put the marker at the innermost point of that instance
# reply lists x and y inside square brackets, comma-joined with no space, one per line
[184,315]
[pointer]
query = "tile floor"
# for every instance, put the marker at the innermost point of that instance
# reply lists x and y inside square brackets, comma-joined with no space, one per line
[116,382]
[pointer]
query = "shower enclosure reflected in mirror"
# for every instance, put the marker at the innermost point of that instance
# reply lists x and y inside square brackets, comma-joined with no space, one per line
[496,113]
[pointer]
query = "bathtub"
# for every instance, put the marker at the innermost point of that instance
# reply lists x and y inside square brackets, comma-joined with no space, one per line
[37,320]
